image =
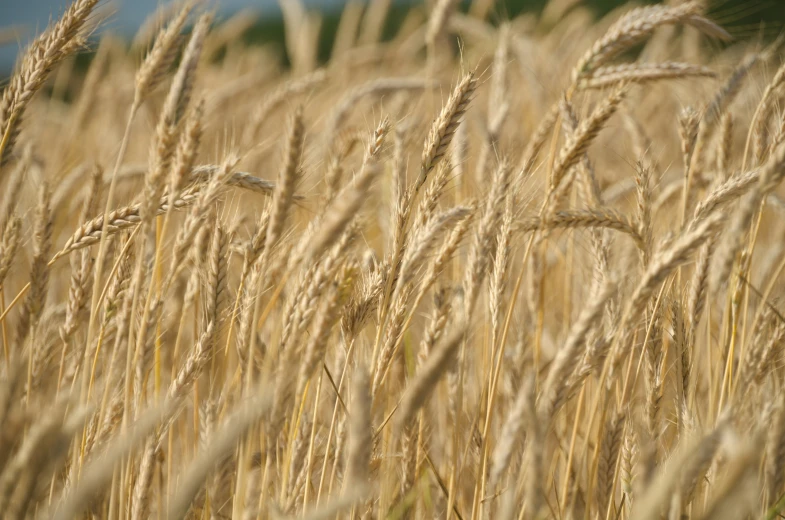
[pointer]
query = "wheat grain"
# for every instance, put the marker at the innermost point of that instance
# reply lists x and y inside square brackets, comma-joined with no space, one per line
[608,76]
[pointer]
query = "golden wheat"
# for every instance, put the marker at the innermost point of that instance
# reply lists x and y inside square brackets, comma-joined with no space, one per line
[488,275]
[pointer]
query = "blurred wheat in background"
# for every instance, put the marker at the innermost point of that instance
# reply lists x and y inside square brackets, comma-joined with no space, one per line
[527,269]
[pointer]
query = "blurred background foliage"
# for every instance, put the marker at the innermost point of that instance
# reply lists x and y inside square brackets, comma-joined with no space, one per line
[745,19]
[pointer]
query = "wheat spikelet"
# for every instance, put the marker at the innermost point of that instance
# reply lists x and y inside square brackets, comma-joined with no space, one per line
[499,272]
[143,480]
[732,87]
[511,431]
[187,150]
[644,224]
[589,188]
[483,238]
[242,180]
[39,271]
[422,386]
[161,56]
[770,176]
[653,380]
[44,53]
[179,97]
[554,389]
[584,135]
[345,207]
[725,145]
[216,286]
[732,189]
[118,220]
[661,266]
[14,186]
[287,179]
[610,448]
[590,218]
[81,280]
[608,76]
[199,211]
[637,25]
[424,241]
[392,337]
[327,316]
[9,244]
[699,285]
[444,127]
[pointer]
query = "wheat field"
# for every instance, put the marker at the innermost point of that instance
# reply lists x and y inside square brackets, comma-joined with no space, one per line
[525,268]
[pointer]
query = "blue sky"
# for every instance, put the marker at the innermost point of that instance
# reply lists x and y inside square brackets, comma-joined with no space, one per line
[126,13]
